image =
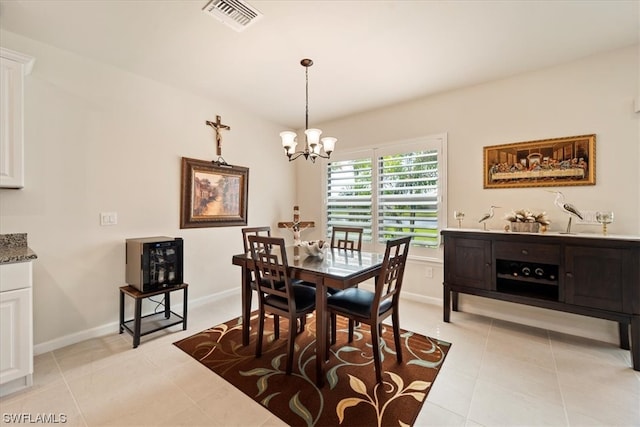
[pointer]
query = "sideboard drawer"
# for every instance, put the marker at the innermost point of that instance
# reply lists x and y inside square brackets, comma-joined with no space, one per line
[528,252]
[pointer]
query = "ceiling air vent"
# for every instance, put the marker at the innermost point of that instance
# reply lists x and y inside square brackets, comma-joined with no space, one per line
[237,14]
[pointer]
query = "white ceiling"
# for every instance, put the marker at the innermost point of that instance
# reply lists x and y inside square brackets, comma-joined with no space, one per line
[367,54]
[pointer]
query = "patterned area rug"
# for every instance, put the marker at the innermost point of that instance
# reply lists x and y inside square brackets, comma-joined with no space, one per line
[350,396]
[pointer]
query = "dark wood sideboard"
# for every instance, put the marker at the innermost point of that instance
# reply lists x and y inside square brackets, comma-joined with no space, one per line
[587,275]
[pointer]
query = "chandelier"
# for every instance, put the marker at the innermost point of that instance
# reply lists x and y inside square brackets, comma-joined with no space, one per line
[314,145]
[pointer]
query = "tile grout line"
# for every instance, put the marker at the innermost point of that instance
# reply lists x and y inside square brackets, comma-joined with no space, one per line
[172,381]
[66,383]
[555,369]
[475,382]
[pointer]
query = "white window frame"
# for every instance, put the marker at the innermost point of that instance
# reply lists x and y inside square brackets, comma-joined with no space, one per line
[432,142]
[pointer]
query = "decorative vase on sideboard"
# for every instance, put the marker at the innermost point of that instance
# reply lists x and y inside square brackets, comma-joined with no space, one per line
[525,227]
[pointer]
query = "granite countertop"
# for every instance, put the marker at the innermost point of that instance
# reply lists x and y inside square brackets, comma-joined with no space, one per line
[13,248]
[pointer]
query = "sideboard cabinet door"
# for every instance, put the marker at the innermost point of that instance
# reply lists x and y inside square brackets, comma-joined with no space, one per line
[594,277]
[468,262]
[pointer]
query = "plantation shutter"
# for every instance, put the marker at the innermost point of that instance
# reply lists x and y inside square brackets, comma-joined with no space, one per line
[349,195]
[407,197]
[395,190]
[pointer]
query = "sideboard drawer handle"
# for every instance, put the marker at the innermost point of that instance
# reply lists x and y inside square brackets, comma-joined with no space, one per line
[525,252]
[569,274]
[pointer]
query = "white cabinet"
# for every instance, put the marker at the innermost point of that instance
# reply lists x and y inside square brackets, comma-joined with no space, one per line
[13,67]
[16,327]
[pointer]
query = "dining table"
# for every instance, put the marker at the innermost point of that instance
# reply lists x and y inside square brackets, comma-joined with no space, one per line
[337,269]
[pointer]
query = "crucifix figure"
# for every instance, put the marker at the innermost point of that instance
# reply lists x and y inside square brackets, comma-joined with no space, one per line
[218,126]
[296,225]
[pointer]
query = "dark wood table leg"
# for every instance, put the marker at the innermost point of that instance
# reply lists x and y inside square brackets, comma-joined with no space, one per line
[246,304]
[446,304]
[321,330]
[137,321]
[623,329]
[635,341]
[454,300]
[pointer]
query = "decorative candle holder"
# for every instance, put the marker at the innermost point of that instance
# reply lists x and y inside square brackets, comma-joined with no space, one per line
[458,215]
[604,218]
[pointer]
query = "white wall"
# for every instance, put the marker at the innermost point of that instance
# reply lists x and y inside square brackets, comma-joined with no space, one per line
[99,139]
[593,95]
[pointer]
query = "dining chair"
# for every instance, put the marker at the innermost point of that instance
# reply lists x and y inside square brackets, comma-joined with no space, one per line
[254,231]
[352,240]
[354,243]
[258,231]
[371,308]
[277,294]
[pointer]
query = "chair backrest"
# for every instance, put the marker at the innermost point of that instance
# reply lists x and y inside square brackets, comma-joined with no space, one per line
[270,267]
[352,238]
[254,231]
[389,282]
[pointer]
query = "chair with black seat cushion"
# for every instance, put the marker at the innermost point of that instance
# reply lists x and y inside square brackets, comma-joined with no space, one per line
[277,294]
[371,308]
[258,231]
[352,238]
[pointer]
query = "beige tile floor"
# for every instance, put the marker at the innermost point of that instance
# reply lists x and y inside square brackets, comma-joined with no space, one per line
[497,373]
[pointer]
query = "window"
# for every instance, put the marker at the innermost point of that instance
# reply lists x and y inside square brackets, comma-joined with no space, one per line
[392,191]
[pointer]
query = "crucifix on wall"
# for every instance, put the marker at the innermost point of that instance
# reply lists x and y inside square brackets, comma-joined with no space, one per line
[218,127]
[296,225]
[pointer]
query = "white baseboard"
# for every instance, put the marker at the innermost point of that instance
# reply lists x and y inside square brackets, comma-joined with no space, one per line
[566,323]
[76,337]
[558,321]
[598,329]
[113,327]
[421,298]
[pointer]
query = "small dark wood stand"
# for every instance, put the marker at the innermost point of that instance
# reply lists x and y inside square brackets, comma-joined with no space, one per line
[143,325]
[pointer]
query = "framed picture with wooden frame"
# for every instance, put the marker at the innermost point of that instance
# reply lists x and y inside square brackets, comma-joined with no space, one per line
[213,195]
[545,163]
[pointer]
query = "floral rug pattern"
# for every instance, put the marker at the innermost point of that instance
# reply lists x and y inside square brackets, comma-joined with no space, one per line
[350,396]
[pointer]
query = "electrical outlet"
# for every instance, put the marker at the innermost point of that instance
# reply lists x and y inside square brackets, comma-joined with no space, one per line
[428,272]
[108,218]
[588,218]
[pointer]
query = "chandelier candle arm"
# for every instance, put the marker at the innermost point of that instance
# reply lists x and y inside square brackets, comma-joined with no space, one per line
[314,145]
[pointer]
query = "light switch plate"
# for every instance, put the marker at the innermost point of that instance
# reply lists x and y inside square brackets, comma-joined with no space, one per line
[108,218]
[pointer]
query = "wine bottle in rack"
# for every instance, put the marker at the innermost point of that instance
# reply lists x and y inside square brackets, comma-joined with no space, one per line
[514,269]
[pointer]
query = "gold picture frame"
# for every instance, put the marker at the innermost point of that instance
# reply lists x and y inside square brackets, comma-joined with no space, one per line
[544,163]
[213,195]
